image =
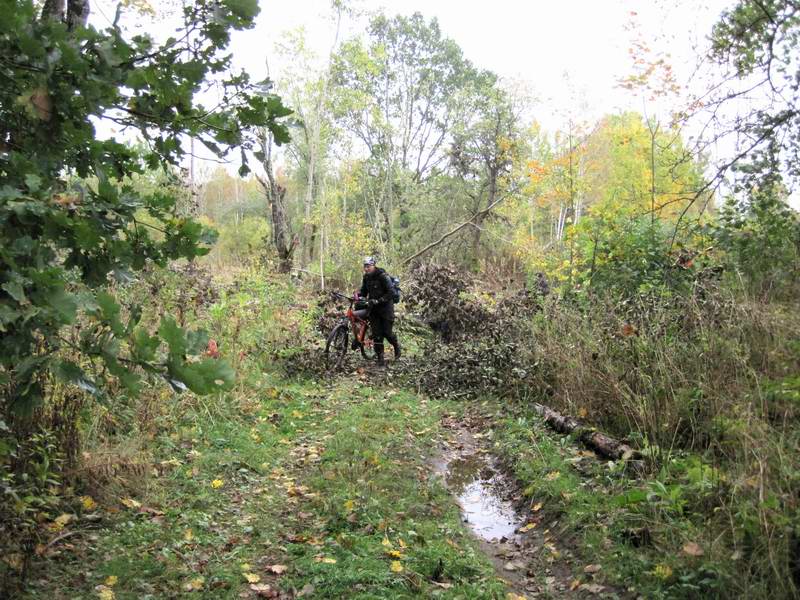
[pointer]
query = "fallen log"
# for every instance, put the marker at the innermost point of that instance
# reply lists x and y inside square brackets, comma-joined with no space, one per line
[599,442]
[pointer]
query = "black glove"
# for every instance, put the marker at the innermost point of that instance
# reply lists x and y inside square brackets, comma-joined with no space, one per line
[373,302]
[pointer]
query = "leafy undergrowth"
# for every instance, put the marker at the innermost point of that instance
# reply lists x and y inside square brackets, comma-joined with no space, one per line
[298,490]
[293,487]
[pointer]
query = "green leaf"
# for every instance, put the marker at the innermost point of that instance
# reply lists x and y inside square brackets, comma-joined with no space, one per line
[244,9]
[9,193]
[64,304]
[205,377]
[132,382]
[109,311]
[7,315]
[144,345]
[173,336]
[14,289]
[25,403]
[196,342]
[34,182]
[630,497]
[69,372]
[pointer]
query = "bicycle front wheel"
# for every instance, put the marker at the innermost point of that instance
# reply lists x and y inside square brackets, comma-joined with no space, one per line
[336,346]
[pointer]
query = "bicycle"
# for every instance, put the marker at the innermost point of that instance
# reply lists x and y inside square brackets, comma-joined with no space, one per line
[336,345]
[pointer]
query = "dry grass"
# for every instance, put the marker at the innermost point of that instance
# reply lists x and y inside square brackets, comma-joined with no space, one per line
[694,376]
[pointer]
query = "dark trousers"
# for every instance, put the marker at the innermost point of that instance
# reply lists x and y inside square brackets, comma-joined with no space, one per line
[381,329]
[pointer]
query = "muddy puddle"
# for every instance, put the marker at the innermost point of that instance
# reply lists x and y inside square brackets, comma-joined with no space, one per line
[494,511]
[478,486]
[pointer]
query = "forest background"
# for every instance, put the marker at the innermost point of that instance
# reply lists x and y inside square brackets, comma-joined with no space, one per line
[667,236]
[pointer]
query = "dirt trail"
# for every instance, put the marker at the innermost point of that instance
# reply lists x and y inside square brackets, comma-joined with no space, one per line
[512,535]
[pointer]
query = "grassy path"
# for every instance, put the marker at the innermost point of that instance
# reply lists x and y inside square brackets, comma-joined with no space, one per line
[297,491]
[289,489]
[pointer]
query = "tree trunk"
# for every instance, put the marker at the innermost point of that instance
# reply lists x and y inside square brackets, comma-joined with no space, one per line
[74,12]
[604,445]
[308,241]
[77,13]
[492,196]
[54,9]
[276,198]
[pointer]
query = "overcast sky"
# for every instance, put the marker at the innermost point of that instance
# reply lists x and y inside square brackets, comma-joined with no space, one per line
[569,52]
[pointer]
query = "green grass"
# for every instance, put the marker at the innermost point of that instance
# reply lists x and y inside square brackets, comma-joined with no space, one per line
[635,528]
[330,482]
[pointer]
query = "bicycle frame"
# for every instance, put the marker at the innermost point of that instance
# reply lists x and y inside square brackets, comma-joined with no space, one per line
[358,325]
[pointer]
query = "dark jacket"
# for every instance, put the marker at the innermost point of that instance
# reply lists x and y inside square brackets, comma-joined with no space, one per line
[378,286]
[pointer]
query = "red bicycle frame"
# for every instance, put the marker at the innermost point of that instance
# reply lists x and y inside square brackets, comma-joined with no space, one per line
[358,324]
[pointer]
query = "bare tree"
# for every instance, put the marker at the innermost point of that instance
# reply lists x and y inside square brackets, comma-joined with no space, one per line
[275,194]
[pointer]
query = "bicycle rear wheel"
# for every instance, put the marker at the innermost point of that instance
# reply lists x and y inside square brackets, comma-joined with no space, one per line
[336,346]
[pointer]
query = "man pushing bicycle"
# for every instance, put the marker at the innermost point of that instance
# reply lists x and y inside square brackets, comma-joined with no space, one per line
[378,290]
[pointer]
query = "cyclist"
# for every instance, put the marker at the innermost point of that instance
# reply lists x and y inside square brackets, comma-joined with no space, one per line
[376,287]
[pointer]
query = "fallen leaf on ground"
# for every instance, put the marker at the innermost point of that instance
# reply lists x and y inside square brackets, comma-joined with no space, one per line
[60,522]
[252,577]
[130,503]
[692,549]
[662,572]
[592,588]
[260,588]
[195,584]
[278,569]
[536,507]
[396,567]
[591,568]
[88,502]
[526,528]
[442,584]
[104,593]
[217,483]
[111,580]
[307,590]
[552,476]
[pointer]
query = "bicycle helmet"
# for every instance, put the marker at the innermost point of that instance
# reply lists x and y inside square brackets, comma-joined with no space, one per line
[369,260]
